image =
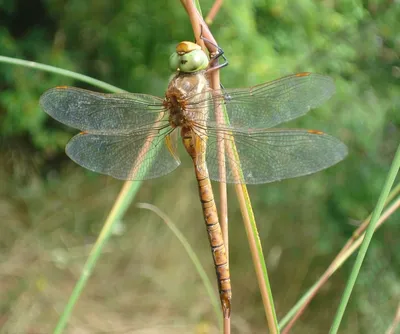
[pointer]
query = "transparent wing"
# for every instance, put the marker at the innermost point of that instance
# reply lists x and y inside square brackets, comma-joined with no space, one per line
[268,104]
[137,156]
[101,113]
[273,155]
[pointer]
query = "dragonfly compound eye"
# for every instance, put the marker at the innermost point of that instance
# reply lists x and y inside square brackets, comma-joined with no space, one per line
[188,58]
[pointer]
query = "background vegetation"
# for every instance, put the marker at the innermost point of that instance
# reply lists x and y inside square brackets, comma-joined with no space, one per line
[51,210]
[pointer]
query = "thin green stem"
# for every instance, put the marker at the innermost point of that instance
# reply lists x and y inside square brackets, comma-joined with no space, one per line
[342,256]
[60,71]
[198,7]
[257,254]
[296,311]
[285,320]
[192,255]
[367,239]
[120,206]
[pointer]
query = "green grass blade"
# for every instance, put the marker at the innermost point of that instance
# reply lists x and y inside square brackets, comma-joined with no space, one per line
[192,255]
[285,320]
[60,71]
[367,239]
[197,4]
[259,262]
[253,237]
[124,199]
[304,299]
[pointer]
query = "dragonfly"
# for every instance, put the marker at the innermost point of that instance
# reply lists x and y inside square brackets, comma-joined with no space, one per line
[228,133]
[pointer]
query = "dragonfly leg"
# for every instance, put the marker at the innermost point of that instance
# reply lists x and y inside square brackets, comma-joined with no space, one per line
[214,56]
[214,61]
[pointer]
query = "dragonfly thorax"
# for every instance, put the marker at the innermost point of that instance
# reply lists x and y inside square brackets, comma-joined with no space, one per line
[177,110]
[184,90]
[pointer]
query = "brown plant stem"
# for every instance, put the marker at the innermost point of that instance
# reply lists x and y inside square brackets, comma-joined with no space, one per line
[349,248]
[213,11]
[395,323]
[241,192]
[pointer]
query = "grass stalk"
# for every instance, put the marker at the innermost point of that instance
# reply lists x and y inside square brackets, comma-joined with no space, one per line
[192,255]
[60,71]
[119,208]
[258,256]
[297,310]
[213,11]
[395,323]
[366,241]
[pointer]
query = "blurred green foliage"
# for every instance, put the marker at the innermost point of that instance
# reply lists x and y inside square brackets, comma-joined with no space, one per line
[127,44]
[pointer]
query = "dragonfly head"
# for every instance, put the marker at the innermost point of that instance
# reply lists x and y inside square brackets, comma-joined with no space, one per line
[188,58]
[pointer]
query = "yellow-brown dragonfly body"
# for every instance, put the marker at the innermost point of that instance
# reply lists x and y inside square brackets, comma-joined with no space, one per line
[128,136]
[195,141]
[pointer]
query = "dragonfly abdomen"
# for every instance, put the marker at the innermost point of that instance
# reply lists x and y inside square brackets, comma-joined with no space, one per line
[214,233]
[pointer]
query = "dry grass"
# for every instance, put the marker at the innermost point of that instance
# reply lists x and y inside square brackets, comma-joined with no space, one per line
[144,281]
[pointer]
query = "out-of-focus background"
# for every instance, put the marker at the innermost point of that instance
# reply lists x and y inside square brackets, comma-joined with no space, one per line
[52,210]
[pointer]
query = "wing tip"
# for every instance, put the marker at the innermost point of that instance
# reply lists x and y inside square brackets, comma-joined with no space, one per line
[303,74]
[43,101]
[315,132]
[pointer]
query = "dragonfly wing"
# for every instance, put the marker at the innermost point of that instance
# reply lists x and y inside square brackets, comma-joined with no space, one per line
[269,104]
[273,155]
[101,113]
[126,157]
